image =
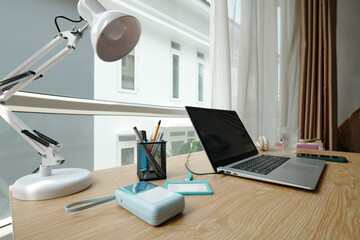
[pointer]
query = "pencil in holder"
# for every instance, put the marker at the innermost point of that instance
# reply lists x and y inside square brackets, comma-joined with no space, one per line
[151,160]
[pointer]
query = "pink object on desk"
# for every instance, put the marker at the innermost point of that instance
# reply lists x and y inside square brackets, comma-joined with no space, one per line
[307,146]
[301,145]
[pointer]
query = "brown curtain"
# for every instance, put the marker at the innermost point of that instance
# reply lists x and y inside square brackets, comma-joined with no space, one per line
[318,82]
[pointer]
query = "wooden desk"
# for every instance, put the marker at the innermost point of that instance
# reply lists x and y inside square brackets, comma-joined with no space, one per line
[239,209]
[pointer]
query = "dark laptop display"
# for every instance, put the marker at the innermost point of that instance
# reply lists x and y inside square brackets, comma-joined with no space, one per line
[231,151]
[222,130]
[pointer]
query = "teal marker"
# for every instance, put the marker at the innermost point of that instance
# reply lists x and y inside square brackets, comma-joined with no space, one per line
[189,177]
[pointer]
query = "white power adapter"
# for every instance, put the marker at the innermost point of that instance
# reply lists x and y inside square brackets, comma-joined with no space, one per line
[151,203]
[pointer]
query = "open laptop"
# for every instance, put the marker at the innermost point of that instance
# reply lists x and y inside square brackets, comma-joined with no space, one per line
[231,151]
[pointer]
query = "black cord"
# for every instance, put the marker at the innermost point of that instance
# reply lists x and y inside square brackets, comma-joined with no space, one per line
[71,20]
[187,161]
[36,170]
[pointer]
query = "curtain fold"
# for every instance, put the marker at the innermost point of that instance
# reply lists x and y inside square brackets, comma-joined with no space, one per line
[220,56]
[244,48]
[318,83]
[254,59]
[289,63]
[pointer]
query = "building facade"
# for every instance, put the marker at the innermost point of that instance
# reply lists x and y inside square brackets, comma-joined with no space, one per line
[168,68]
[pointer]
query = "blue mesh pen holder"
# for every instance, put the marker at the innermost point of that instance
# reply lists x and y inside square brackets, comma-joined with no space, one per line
[151,160]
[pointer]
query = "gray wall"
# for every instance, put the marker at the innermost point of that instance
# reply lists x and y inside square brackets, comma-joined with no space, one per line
[26,26]
[348,57]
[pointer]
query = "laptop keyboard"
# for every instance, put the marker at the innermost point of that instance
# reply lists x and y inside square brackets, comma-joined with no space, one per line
[262,164]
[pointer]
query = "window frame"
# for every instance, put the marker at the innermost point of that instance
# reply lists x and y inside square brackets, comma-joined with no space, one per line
[198,62]
[124,145]
[120,89]
[173,52]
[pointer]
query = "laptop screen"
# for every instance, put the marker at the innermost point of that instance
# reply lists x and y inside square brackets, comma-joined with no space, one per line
[222,134]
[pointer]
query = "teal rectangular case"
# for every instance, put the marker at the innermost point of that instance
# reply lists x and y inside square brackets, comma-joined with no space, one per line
[151,203]
[197,187]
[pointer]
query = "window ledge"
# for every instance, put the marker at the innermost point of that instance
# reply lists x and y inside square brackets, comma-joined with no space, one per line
[41,103]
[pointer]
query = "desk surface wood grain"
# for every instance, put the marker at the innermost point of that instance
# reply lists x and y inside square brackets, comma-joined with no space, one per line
[239,208]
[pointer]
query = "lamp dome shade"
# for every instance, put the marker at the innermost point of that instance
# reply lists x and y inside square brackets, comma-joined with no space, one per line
[113,33]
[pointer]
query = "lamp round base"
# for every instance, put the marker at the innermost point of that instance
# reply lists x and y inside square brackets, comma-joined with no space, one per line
[61,183]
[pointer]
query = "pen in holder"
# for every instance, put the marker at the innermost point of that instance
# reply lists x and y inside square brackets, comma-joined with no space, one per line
[151,165]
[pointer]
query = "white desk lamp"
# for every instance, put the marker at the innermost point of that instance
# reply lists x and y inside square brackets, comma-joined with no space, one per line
[113,35]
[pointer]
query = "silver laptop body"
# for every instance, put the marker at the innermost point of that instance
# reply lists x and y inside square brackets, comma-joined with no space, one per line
[227,144]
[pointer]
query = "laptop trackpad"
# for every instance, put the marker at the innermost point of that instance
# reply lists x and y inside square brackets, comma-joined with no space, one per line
[300,167]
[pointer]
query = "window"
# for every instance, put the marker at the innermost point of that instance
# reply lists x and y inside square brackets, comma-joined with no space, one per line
[127,76]
[127,156]
[175,45]
[177,134]
[175,64]
[191,134]
[200,76]
[126,149]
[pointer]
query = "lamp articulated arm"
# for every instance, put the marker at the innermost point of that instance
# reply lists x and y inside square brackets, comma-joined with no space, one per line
[20,77]
[113,35]
[48,150]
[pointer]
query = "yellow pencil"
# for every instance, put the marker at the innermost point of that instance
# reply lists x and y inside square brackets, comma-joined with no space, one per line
[154,138]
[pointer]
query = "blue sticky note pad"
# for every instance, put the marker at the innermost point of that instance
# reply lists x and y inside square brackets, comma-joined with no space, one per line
[200,187]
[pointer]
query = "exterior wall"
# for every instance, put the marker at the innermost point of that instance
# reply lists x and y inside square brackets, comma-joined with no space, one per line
[153,55]
[163,21]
